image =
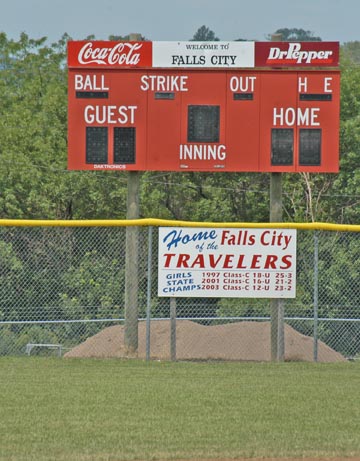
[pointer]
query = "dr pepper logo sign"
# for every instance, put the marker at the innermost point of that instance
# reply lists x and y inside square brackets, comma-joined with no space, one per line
[299,54]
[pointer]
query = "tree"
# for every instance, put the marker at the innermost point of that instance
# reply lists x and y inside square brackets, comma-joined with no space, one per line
[351,51]
[332,197]
[34,182]
[299,35]
[214,196]
[204,34]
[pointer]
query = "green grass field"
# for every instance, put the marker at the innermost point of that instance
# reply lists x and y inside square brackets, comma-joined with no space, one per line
[77,410]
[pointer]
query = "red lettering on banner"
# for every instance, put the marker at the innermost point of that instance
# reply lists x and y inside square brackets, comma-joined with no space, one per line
[226,261]
[214,261]
[287,260]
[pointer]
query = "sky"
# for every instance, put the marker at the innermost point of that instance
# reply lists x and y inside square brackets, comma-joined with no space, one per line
[168,20]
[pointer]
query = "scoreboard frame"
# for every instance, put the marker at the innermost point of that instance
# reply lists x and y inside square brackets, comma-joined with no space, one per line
[203,106]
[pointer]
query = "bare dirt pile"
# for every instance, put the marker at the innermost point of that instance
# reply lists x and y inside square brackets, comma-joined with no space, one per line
[243,341]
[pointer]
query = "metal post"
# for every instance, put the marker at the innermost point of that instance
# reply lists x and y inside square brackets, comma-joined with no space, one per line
[148,294]
[131,266]
[316,294]
[173,329]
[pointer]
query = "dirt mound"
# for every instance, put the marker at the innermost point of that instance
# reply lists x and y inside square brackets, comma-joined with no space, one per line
[243,341]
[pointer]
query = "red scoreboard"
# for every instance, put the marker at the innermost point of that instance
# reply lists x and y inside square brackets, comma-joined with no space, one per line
[203,106]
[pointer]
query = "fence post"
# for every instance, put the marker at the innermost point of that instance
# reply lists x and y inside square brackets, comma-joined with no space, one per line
[277,305]
[148,294]
[316,294]
[173,329]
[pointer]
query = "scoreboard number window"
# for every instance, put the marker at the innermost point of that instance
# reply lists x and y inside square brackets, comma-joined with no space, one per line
[96,144]
[203,123]
[282,146]
[124,145]
[315,97]
[92,94]
[310,147]
[243,96]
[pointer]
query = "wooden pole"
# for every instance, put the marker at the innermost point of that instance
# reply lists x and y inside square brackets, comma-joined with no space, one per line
[276,305]
[131,335]
[131,266]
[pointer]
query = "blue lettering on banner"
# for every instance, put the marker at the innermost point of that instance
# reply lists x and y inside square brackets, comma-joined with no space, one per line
[184,288]
[175,237]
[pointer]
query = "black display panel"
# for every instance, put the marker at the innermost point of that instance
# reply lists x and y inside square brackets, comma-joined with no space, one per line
[282,146]
[96,144]
[203,123]
[92,94]
[310,147]
[163,95]
[243,96]
[124,145]
[315,97]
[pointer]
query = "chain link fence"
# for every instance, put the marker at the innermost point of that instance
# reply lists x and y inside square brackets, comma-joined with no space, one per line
[63,292]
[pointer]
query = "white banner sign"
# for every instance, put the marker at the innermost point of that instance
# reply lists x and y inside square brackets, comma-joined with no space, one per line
[226,262]
[203,54]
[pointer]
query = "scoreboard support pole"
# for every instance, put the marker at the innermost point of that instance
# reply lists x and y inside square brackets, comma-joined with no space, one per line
[131,333]
[276,305]
[131,266]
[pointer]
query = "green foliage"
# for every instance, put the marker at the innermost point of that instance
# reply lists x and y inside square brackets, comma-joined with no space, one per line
[10,275]
[127,37]
[243,307]
[8,340]
[204,34]
[209,196]
[35,335]
[32,121]
[350,96]
[351,51]
[13,341]
[33,140]
[298,35]
[94,288]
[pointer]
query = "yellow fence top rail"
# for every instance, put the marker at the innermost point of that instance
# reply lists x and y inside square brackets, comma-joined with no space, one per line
[172,223]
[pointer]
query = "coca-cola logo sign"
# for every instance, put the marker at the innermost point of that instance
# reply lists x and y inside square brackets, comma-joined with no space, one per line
[121,53]
[109,54]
